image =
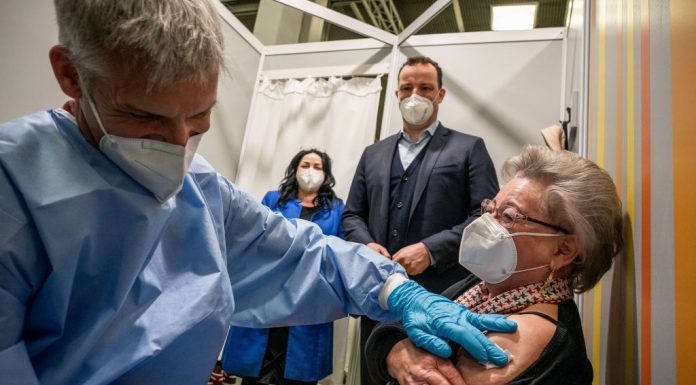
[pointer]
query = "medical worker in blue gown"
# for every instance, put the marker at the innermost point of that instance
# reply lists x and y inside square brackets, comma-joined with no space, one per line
[124,257]
[298,355]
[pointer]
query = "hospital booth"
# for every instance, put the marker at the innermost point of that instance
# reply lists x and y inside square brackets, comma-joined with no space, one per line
[617,72]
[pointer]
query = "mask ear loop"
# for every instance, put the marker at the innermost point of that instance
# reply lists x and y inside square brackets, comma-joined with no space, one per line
[550,279]
[93,107]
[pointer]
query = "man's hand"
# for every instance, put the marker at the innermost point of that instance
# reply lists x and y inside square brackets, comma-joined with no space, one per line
[414,258]
[430,319]
[379,248]
[413,366]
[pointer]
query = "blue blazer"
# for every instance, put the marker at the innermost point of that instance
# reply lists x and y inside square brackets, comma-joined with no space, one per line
[456,174]
[310,348]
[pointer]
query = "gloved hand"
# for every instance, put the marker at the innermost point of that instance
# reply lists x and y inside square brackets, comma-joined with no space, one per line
[430,318]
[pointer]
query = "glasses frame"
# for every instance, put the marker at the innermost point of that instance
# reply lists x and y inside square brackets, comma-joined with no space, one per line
[486,203]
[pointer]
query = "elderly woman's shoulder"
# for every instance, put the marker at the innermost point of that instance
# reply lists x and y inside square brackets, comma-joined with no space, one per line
[536,326]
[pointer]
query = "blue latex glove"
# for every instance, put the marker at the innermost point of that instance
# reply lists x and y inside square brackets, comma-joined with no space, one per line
[430,318]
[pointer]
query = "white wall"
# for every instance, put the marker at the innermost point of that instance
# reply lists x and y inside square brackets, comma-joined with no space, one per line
[27,31]
[504,92]
[222,145]
[372,59]
[575,74]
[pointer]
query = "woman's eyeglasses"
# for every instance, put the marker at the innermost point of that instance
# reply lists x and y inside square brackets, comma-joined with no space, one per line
[509,215]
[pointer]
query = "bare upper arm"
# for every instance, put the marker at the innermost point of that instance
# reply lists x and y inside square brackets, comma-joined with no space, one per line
[525,346]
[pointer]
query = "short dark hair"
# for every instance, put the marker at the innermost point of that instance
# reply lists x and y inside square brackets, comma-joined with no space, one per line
[288,186]
[423,60]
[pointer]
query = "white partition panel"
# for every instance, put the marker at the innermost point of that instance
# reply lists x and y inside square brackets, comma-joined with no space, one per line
[27,31]
[222,145]
[356,57]
[336,116]
[503,91]
[501,86]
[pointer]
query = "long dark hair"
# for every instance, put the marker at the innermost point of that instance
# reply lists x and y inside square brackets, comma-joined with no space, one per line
[288,186]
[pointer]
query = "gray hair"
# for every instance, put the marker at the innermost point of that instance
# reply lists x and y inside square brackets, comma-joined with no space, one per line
[168,40]
[582,198]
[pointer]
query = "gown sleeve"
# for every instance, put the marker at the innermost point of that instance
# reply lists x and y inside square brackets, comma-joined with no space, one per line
[21,271]
[286,272]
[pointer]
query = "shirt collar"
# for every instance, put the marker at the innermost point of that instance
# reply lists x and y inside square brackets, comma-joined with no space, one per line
[428,132]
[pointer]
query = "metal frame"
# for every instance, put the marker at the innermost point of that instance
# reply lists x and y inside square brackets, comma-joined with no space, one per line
[584,117]
[340,19]
[422,20]
[324,46]
[458,16]
[483,37]
[329,71]
[383,13]
[237,25]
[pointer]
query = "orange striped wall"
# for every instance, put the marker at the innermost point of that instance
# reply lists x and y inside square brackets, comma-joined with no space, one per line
[642,129]
[645,151]
[683,39]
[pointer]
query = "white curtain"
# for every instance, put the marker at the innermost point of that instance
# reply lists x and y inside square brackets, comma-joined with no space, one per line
[337,116]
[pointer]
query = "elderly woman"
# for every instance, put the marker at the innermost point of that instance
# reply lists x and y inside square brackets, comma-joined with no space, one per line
[552,231]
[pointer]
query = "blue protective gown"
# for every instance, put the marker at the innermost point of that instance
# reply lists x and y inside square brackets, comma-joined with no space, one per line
[102,284]
[309,355]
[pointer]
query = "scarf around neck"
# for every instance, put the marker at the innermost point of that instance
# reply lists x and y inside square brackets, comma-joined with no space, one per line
[554,292]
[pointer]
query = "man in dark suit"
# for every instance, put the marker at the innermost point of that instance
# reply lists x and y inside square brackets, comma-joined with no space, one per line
[414,192]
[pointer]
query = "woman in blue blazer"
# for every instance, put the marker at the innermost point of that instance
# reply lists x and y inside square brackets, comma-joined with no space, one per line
[297,355]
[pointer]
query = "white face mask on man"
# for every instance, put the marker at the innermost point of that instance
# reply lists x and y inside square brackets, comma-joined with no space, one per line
[310,179]
[158,166]
[488,251]
[416,109]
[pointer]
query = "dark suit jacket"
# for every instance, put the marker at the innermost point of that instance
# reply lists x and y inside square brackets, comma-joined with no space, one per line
[456,174]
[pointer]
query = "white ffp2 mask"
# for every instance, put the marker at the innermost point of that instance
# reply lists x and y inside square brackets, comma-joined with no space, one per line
[416,109]
[158,166]
[310,179]
[488,251]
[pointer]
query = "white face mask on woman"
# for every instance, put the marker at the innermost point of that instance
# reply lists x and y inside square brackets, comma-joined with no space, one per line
[488,251]
[416,109]
[158,166]
[310,179]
